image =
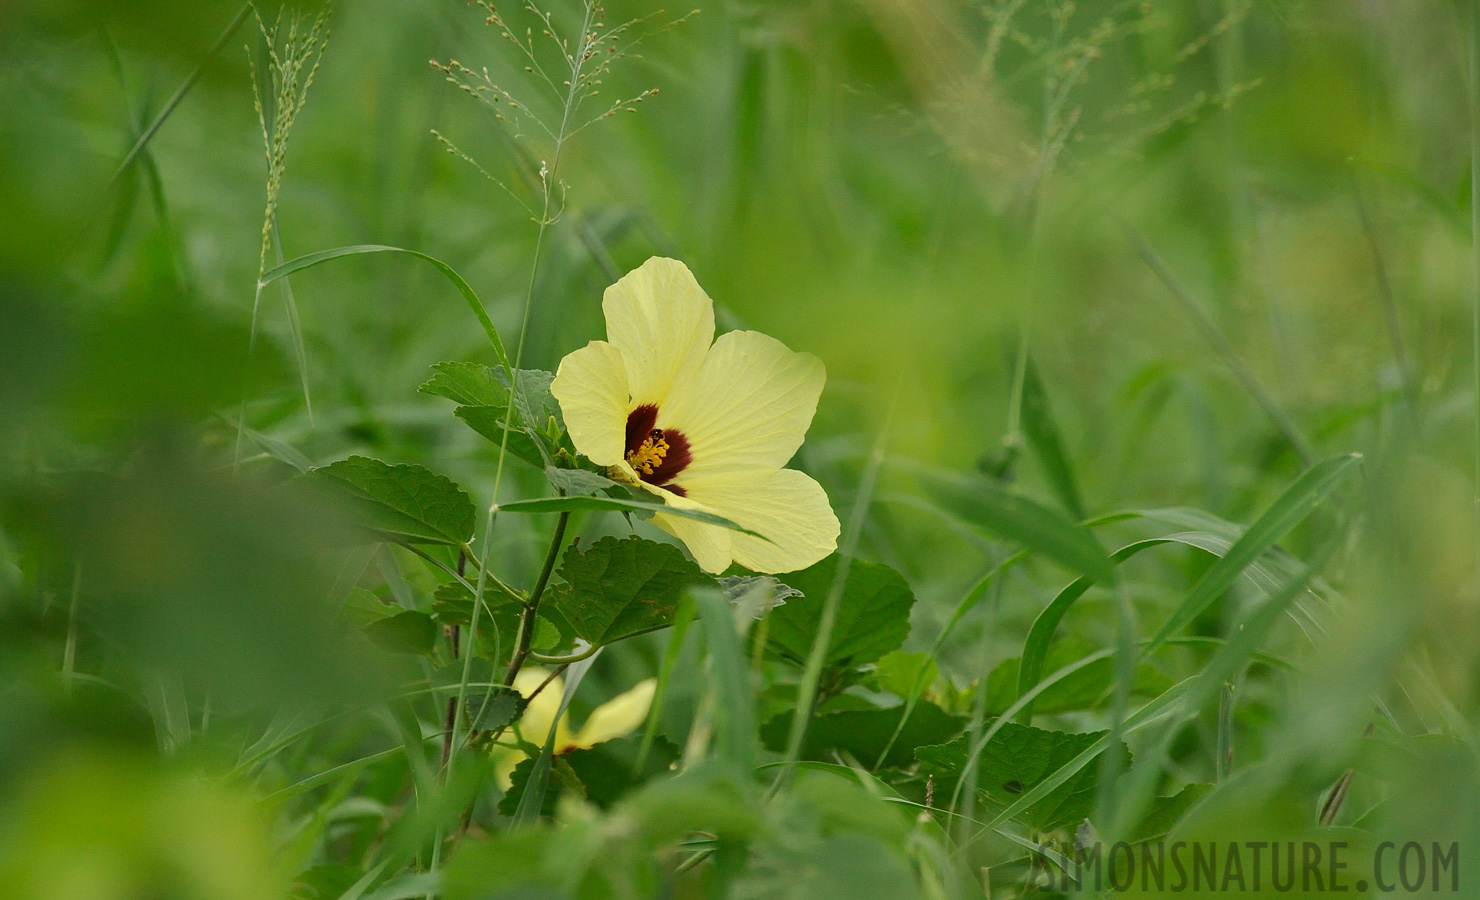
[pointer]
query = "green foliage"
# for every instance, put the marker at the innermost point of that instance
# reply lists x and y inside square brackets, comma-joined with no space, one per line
[221,665]
[409,632]
[873,614]
[402,502]
[617,588]
[1017,759]
[863,733]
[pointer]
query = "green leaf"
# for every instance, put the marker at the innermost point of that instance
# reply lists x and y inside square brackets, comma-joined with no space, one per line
[490,705]
[864,733]
[1017,759]
[409,632]
[873,614]
[1165,812]
[537,429]
[361,608]
[606,769]
[578,481]
[476,305]
[494,708]
[561,779]
[1297,502]
[489,422]
[1042,433]
[983,502]
[466,384]
[1085,688]
[404,502]
[617,588]
[453,605]
[900,672]
[616,504]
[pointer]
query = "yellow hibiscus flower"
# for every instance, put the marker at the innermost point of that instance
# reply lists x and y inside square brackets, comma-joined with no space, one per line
[616,718]
[701,423]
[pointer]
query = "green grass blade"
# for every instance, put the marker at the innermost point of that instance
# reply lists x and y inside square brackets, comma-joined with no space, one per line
[983,502]
[730,679]
[476,305]
[617,504]
[533,798]
[1152,711]
[1042,432]
[295,324]
[1285,513]
[326,776]
[681,621]
[1204,686]
[179,94]
[966,604]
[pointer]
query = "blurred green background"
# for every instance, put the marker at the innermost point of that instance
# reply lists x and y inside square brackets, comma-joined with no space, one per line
[917,191]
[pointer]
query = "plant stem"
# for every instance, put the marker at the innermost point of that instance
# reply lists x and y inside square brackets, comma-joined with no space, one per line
[1475,235]
[527,617]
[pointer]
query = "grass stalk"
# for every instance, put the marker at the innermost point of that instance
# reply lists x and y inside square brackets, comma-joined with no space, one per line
[1474,98]
[548,177]
[807,693]
[1225,349]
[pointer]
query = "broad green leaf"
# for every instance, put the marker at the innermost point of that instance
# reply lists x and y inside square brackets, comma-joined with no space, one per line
[1165,812]
[607,769]
[483,394]
[1084,689]
[561,779]
[1170,700]
[578,481]
[1297,502]
[404,502]
[494,708]
[903,673]
[362,608]
[618,587]
[476,305]
[618,504]
[981,501]
[873,614]
[453,605]
[864,733]
[409,632]
[489,422]
[1018,759]
[1042,433]
[466,384]
[490,705]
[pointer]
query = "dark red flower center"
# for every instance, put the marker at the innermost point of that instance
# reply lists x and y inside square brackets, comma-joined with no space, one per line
[657,455]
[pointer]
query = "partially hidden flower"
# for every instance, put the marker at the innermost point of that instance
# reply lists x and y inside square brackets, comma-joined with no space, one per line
[616,718]
[703,424]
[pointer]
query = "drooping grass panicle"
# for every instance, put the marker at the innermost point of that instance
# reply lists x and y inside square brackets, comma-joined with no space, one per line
[294,48]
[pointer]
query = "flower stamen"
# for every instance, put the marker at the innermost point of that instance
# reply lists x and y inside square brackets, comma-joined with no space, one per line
[650,453]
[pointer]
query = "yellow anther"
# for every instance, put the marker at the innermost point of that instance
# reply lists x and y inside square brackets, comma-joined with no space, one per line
[649,454]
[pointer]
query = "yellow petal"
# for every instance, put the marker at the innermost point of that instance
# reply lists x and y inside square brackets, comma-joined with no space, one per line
[534,725]
[749,408]
[619,716]
[591,387]
[785,505]
[710,544]
[663,323]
